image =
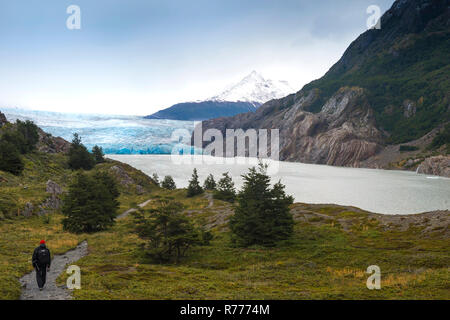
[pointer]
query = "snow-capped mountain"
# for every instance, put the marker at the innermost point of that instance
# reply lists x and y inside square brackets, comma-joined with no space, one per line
[244,96]
[254,88]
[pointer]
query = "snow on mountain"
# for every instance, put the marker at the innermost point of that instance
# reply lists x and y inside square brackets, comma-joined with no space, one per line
[254,88]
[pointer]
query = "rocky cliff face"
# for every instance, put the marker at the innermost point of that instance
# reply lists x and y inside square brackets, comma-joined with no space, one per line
[438,166]
[50,144]
[360,107]
[343,133]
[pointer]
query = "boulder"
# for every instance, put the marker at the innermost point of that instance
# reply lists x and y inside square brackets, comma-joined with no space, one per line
[53,188]
[28,210]
[122,175]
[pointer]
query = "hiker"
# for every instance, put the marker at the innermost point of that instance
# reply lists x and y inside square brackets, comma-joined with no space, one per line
[41,262]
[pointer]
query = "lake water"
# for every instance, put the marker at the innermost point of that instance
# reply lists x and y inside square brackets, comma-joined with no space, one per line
[381,191]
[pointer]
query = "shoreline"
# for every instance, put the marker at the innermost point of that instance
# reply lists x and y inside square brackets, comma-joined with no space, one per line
[322,184]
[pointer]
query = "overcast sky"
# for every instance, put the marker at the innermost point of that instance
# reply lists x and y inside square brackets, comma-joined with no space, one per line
[136,57]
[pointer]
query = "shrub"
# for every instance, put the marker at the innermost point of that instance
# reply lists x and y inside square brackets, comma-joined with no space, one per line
[79,156]
[405,148]
[262,216]
[10,159]
[194,187]
[29,131]
[8,206]
[155,178]
[91,203]
[225,189]
[98,154]
[210,183]
[168,183]
[442,138]
[170,234]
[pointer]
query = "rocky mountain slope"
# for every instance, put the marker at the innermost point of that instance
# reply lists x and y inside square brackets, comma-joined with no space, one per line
[47,143]
[390,87]
[245,96]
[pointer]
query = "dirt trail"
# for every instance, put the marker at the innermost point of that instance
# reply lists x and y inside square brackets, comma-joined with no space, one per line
[210,198]
[30,290]
[126,213]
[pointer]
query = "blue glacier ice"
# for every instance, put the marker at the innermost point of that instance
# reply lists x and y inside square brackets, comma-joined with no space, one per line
[114,133]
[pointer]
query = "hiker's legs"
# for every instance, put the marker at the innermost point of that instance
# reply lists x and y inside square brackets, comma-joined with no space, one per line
[41,275]
[44,275]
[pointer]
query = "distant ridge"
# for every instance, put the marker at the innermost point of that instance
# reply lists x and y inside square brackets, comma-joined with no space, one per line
[245,96]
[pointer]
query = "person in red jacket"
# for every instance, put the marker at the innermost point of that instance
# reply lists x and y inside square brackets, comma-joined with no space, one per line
[41,262]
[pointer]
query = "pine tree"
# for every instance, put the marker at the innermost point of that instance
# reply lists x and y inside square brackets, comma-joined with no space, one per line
[168,183]
[29,131]
[79,156]
[225,189]
[194,187]
[98,154]
[91,203]
[262,216]
[170,234]
[210,183]
[155,178]
[10,160]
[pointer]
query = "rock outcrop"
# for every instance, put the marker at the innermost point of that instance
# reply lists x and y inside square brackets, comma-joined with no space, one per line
[438,166]
[343,133]
[54,201]
[125,180]
[50,144]
[47,143]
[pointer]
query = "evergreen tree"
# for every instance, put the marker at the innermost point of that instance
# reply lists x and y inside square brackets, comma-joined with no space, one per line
[155,178]
[98,154]
[210,183]
[79,156]
[194,187]
[29,131]
[225,189]
[262,216]
[170,234]
[10,160]
[91,203]
[168,183]
[16,139]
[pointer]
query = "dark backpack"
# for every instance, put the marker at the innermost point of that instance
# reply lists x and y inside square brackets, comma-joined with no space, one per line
[43,256]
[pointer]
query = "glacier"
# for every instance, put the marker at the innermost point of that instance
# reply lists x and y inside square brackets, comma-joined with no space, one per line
[116,134]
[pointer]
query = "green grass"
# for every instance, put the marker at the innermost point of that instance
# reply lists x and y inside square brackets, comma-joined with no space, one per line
[326,258]
[18,238]
[321,261]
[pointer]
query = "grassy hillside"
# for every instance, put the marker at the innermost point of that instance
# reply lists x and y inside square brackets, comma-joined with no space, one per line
[20,235]
[326,259]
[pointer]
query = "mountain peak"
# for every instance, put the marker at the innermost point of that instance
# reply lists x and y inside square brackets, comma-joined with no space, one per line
[254,88]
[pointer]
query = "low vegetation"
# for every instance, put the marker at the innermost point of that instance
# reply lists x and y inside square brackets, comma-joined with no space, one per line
[319,251]
[91,203]
[15,140]
[168,183]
